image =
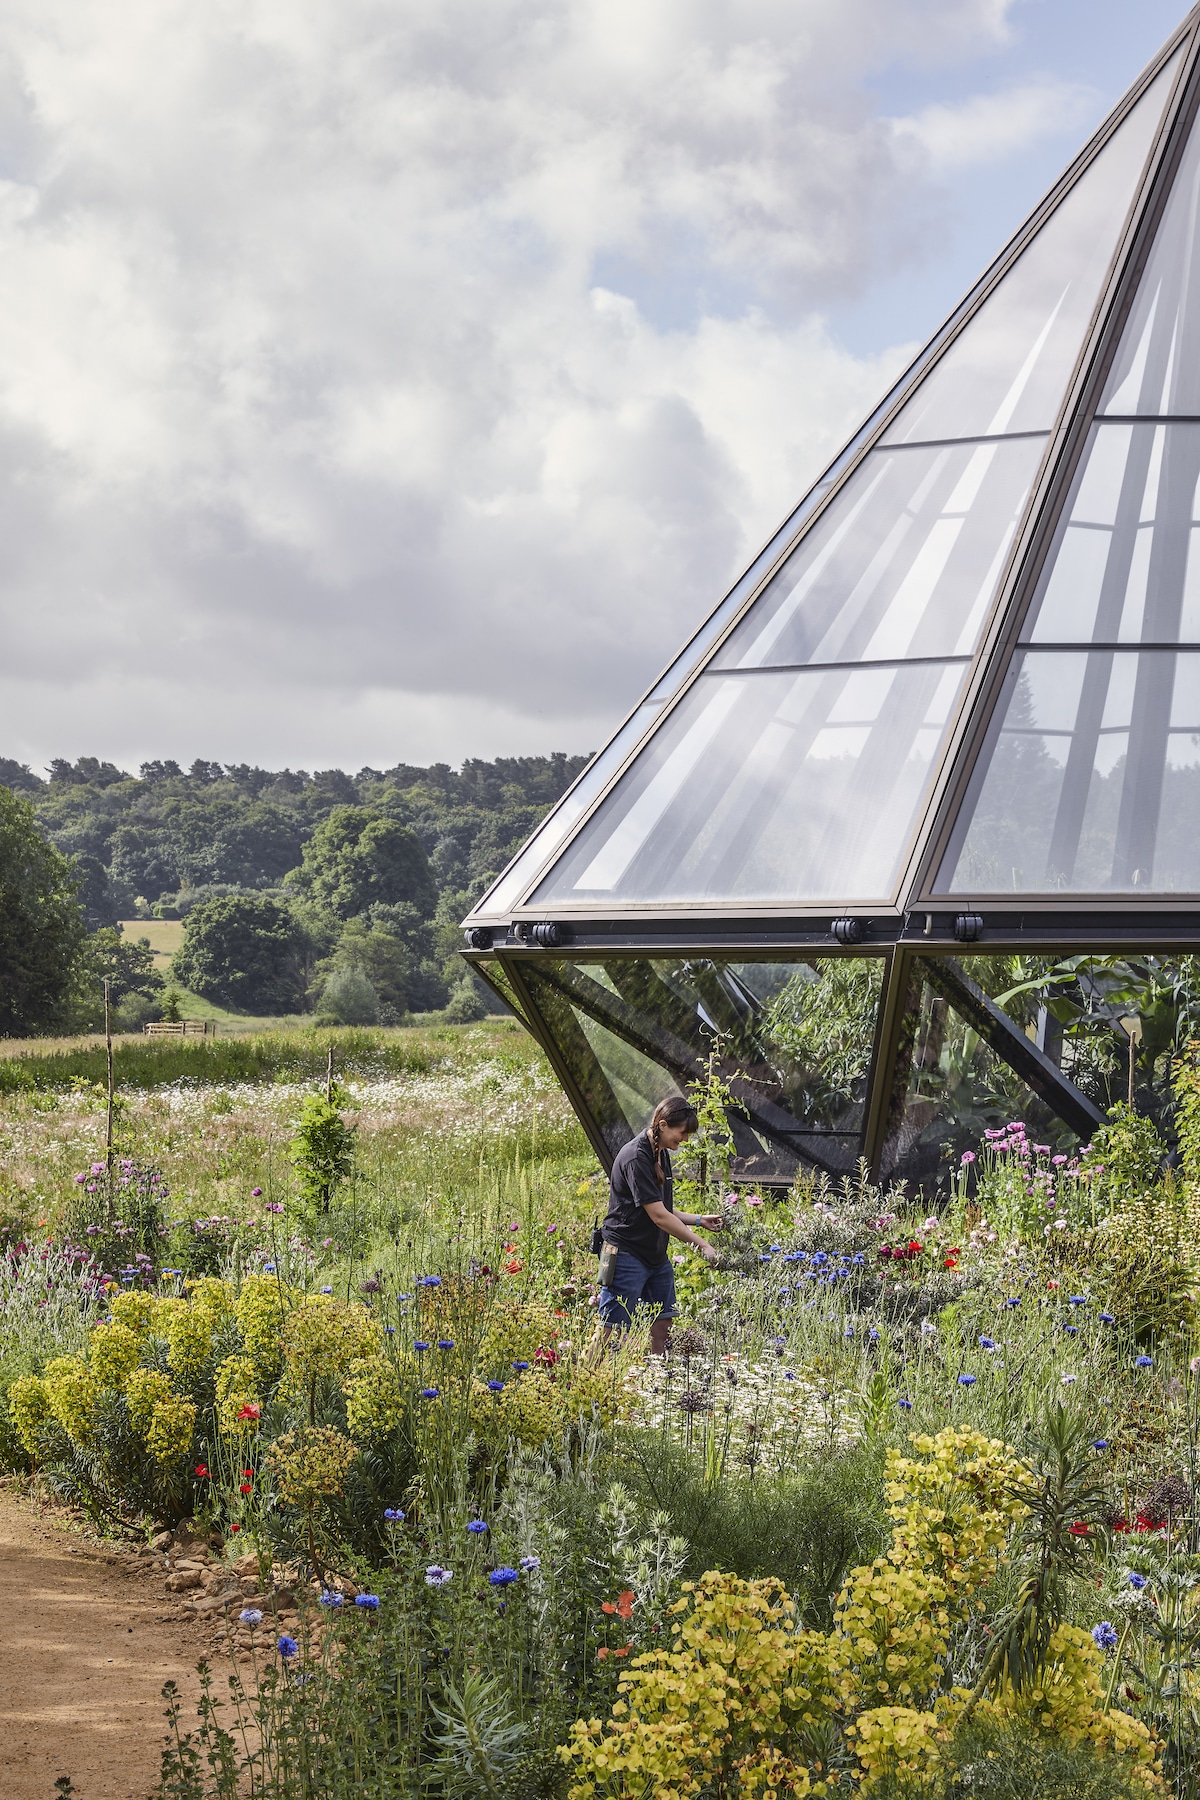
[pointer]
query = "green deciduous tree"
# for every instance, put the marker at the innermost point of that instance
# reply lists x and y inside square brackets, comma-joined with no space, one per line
[245,951]
[355,859]
[41,926]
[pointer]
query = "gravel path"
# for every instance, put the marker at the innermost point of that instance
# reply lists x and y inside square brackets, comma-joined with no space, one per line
[87,1639]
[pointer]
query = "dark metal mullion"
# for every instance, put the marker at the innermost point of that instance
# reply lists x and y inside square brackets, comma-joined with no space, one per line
[545,1038]
[1003,1036]
[850,662]
[892,1059]
[1038,534]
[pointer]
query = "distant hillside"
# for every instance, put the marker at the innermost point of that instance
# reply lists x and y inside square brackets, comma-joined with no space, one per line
[170,837]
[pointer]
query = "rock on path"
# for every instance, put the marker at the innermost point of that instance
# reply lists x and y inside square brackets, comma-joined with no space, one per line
[87,1640]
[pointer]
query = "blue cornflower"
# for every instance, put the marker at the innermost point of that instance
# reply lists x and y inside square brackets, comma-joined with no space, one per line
[873,1335]
[368,1602]
[477,1525]
[330,1598]
[1143,1362]
[520,1366]
[531,1564]
[445,1343]
[503,1577]
[1138,1581]
[404,1296]
[764,1256]
[429,1281]
[420,1346]
[269,1268]
[788,1375]
[849,1331]
[987,1343]
[1013,1302]
[1107,1319]
[1078,1300]
[429,1393]
[858,1259]
[393,1515]
[904,1405]
[287,1646]
[436,1576]
[251,1616]
[1071,1330]
[776,1249]
[1104,1635]
[819,1256]
[391,1330]
[966,1381]
[1099,1443]
[495,1387]
[327,1290]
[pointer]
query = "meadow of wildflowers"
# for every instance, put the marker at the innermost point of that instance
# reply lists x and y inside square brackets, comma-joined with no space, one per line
[909,1507]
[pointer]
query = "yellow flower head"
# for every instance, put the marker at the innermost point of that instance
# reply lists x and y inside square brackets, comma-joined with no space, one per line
[113,1351]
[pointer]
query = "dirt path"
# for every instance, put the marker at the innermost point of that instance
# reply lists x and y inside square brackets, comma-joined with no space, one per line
[87,1639]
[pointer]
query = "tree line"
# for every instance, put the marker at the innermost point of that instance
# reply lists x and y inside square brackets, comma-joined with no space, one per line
[319,892]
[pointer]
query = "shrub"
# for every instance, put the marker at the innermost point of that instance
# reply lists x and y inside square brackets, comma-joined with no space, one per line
[244,951]
[349,998]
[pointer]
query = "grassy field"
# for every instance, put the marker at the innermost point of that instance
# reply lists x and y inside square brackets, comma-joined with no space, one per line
[164,937]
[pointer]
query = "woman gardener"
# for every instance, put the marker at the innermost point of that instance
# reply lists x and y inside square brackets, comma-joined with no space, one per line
[635,1269]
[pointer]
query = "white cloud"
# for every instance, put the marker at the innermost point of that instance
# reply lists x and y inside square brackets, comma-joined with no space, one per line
[383,381]
[987,128]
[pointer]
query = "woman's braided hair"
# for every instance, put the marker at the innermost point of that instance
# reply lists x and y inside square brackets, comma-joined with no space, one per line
[672,1113]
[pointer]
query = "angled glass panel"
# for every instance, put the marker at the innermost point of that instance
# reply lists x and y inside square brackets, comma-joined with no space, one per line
[771,786]
[1125,566]
[1008,370]
[500,900]
[493,971]
[793,1040]
[1090,780]
[903,564]
[952,1087]
[1157,367]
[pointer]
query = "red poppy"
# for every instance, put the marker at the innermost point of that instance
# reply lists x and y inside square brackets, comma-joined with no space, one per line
[202,1471]
[950,1262]
[625,1603]
[624,1650]
[602,1653]
[1079,1529]
[250,1412]
[245,1488]
[235,1528]
[247,1474]
[1120,1525]
[514,1267]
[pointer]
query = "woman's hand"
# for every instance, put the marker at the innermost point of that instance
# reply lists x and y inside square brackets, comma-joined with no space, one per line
[709,1252]
[712,1222]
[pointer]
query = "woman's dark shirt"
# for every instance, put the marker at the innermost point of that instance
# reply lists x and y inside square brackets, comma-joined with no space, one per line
[634,1187]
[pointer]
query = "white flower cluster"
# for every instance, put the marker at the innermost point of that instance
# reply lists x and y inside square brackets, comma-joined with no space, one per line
[749,1414]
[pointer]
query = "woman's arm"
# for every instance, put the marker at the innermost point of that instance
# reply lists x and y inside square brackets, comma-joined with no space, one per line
[677,1226]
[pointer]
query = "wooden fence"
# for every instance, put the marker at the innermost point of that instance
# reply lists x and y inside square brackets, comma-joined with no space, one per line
[182,1028]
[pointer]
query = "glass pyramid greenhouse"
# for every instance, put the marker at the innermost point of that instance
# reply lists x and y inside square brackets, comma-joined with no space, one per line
[909,833]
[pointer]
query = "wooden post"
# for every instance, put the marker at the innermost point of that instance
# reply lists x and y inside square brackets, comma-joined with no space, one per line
[109,1050]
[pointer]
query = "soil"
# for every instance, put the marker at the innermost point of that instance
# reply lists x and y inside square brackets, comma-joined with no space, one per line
[87,1639]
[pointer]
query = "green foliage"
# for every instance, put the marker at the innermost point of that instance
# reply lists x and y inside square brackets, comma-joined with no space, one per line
[1063,1494]
[1011,1759]
[322,1151]
[826,1024]
[41,926]
[244,951]
[349,997]
[1128,1150]
[478,1736]
[355,860]
[804,1529]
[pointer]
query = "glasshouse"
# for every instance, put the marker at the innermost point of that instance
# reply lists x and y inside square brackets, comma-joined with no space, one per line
[908,836]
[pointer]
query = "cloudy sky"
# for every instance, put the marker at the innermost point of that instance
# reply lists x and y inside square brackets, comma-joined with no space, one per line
[401,379]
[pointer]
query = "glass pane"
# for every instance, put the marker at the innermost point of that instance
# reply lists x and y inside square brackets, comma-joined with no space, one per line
[776,786]
[1091,782]
[500,900]
[903,564]
[1125,567]
[493,971]
[1009,368]
[1157,368]
[794,1041]
[957,1088]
